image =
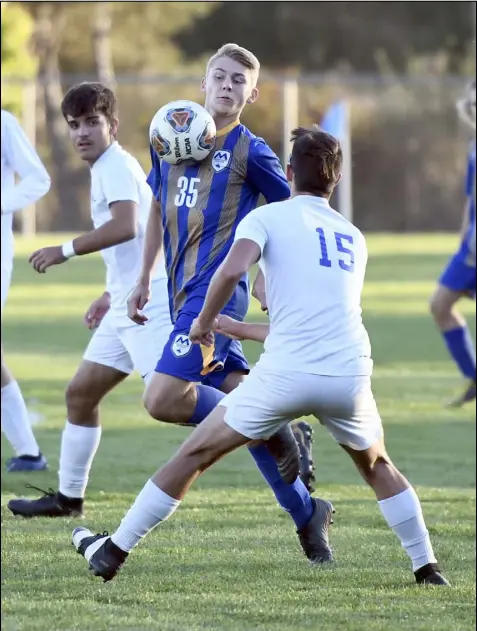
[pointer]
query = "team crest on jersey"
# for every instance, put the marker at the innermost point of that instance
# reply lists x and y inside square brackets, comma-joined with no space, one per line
[160,144]
[206,140]
[221,160]
[180,119]
[181,346]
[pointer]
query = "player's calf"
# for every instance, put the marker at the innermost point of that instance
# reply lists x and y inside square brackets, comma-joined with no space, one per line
[401,509]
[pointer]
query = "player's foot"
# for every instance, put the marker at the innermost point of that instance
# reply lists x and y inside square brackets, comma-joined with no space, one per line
[466,396]
[103,556]
[430,574]
[303,433]
[284,449]
[52,504]
[27,463]
[314,536]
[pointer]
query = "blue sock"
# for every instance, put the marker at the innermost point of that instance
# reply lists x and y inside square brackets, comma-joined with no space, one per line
[293,498]
[207,399]
[460,345]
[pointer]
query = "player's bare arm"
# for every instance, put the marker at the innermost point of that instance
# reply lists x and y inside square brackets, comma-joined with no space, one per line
[258,290]
[120,228]
[34,181]
[236,330]
[152,250]
[242,256]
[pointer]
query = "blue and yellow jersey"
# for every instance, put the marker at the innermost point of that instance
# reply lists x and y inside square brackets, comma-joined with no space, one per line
[202,204]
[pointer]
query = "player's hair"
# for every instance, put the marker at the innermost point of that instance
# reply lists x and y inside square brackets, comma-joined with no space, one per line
[316,160]
[85,98]
[239,54]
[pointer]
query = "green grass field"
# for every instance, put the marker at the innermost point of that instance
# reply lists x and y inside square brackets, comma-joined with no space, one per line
[229,559]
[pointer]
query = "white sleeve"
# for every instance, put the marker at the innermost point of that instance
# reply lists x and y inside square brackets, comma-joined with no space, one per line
[119,183]
[253,227]
[21,156]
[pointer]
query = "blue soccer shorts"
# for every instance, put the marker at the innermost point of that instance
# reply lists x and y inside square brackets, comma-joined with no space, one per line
[197,363]
[458,276]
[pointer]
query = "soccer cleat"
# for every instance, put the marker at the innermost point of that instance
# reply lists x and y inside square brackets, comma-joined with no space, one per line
[27,463]
[52,504]
[314,536]
[284,449]
[103,556]
[303,433]
[430,574]
[467,396]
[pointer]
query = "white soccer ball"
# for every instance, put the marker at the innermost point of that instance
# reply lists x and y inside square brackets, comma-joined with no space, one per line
[182,130]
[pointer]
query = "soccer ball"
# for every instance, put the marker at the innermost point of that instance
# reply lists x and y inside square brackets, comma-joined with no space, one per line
[182,130]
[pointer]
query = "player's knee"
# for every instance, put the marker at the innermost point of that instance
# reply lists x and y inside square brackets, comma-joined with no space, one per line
[374,468]
[162,405]
[80,400]
[436,306]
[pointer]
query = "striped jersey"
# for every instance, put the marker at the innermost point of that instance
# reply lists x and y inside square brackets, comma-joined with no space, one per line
[202,204]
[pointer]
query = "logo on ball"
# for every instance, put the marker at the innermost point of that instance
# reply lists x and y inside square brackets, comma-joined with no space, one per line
[206,140]
[160,144]
[180,119]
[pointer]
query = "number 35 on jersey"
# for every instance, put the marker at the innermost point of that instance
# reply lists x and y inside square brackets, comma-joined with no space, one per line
[188,191]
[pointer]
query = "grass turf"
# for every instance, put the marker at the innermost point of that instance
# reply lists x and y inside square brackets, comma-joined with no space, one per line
[229,558]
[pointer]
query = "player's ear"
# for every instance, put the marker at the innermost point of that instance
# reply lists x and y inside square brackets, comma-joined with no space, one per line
[202,84]
[339,178]
[113,127]
[289,173]
[253,96]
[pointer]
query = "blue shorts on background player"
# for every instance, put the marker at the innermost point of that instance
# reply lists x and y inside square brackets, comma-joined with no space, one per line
[459,277]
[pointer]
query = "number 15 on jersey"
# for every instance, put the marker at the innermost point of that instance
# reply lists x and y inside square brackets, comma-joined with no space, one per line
[346,262]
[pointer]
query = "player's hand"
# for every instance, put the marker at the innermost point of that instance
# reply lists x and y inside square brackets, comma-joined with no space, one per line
[44,258]
[258,291]
[98,309]
[137,301]
[202,332]
[229,327]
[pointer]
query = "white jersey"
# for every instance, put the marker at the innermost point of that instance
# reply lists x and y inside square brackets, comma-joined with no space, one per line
[18,158]
[118,176]
[314,262]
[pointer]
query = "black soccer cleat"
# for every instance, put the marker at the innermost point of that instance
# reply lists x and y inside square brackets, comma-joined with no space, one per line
[284,449]
[103,556]
[27,463]
[303,433]
[468,394]
[430,574]
[52,504]
[314,536]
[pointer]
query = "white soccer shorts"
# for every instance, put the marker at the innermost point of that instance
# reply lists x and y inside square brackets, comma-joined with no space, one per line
[129,346]
[266,400]
[6,279]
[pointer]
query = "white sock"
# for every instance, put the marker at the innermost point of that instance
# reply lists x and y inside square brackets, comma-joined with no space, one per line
[78,448]
[16,423]
[403,514]
[150,508]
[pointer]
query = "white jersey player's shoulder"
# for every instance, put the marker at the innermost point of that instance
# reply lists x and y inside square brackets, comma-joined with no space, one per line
[117,157]
[9,120]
